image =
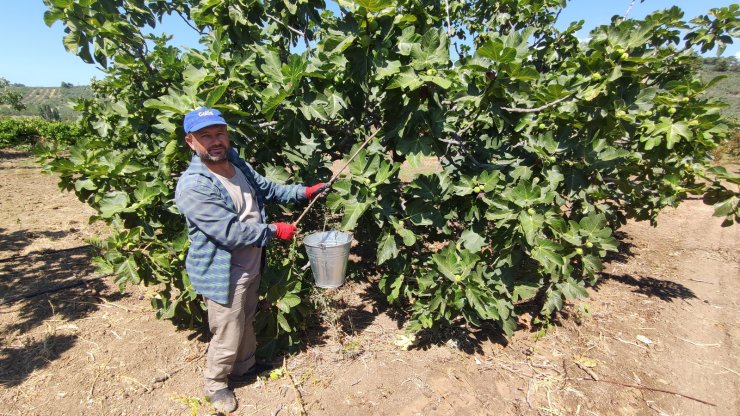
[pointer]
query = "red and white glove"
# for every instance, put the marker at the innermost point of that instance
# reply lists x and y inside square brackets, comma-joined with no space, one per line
[284,231]
[315,189]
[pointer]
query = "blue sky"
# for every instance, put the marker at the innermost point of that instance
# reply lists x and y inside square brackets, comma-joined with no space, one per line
[33,53]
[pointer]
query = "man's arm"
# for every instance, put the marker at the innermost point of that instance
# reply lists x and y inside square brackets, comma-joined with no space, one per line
[274,192]
[203,206]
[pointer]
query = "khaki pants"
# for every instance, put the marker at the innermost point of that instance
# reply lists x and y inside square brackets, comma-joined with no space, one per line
[232,347]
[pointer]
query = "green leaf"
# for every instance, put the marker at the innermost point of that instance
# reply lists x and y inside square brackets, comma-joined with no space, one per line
[573,290]
[352,214]
[272,98]
[472,241]
[387,249]
[496,51]
[432,51]
[216,94]
[420,212]
[593,227]
[51,16]
[547,253]
[288,302]
[726,207]
[129,271]
[530,225]
[592,264]
[554,301]
[374,5]
[283,322]
[408,236]
[113,203]
[644,100]
[524,291]
[523,74]
[86,184]
[673,131]
[509,326]
[407,80]
[525,194]
[392,68]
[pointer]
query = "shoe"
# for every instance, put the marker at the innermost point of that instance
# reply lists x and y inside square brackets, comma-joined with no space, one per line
[223,400]
[252,373]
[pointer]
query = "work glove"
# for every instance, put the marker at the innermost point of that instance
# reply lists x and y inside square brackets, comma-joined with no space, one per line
[315,189]
[283,230]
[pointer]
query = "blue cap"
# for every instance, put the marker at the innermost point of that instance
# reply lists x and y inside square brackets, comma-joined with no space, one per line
[202,117]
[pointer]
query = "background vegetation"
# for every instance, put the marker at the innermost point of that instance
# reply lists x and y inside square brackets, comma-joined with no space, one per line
[44,101]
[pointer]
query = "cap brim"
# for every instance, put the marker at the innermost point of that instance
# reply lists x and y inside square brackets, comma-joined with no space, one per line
[204,124]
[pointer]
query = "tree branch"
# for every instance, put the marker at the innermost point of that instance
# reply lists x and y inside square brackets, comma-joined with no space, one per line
[187,22]
[629,9]
[534,110]
[447,9]
[276,20]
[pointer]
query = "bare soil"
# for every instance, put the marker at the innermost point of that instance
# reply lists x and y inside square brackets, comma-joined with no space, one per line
[658,335]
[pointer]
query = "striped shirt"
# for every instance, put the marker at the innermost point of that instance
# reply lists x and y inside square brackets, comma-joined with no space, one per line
[213,223]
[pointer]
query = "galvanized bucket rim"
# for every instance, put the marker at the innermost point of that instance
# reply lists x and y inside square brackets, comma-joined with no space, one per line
[347,236]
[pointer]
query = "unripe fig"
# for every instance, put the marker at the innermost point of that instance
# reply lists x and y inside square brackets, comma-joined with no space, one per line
[579,251]
[589,244]
[671,110]
[531,211]
[596,76]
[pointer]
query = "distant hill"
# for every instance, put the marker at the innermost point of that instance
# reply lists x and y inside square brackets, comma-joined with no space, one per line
[727,90]
[55,97]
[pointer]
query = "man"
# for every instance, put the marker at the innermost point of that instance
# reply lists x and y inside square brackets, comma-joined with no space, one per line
[223,200]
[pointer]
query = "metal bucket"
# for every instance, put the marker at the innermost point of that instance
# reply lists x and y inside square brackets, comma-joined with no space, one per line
[328,252]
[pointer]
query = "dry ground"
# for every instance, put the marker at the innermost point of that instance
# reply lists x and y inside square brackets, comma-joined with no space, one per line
[661,337]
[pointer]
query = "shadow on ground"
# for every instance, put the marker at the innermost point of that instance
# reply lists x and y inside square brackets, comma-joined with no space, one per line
[6,154]
[38,287]
[664,290]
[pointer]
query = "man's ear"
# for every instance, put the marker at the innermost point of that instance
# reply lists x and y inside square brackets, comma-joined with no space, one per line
[189,140]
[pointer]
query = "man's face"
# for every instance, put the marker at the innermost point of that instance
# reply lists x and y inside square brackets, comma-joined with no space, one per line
[210,143]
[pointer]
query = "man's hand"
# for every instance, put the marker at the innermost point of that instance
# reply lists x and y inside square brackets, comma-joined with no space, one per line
[284,231]
[315,189]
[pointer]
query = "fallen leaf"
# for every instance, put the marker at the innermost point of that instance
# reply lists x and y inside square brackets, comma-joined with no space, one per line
[645,340]
[586,362]
[405,341]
